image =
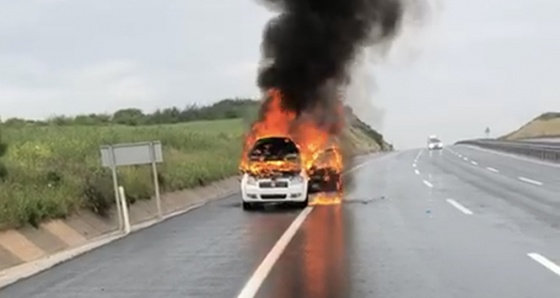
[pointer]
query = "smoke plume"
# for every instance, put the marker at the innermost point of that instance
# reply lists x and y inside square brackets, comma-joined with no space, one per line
[309,46]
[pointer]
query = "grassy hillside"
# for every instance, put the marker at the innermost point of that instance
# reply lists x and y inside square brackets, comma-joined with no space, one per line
[546,125]
[54,170]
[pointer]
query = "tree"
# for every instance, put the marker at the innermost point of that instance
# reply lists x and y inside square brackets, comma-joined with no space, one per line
[3,150]
[129,116]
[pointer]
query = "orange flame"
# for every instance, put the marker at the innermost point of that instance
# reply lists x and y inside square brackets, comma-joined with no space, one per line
[327,199]
[311,139]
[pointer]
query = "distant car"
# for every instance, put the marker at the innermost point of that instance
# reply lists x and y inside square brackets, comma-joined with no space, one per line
[434,143]
[276,174]
[323,177]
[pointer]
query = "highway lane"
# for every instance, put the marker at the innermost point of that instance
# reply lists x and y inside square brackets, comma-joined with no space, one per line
[404,231]
[209,252]
[525,169]
[402,238]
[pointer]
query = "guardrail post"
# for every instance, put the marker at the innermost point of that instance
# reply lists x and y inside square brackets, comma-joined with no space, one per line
[124,209]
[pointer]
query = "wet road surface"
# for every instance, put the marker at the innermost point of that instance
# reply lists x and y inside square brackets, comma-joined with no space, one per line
[454,223]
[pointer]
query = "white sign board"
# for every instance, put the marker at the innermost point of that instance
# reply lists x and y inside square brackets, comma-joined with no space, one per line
[113,156]
[131,154]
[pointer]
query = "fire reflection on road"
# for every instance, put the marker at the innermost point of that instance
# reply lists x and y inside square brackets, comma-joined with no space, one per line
[315,262]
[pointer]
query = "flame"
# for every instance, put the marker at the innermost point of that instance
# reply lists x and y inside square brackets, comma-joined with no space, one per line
[312,140]
[327,199]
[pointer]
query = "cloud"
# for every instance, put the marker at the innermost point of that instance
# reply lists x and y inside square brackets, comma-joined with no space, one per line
[105,86]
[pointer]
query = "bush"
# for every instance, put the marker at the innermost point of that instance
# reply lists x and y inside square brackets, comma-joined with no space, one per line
[65,159]
[98,192]
[3,150]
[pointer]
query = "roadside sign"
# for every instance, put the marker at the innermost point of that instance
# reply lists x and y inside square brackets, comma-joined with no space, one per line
[129,154]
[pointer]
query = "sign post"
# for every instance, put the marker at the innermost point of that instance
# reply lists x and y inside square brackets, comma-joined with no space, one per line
[129,154]
[126,217]
[116,186]
[155,175]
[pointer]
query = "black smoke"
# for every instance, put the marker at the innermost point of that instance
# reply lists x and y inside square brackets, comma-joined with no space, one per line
[308,47]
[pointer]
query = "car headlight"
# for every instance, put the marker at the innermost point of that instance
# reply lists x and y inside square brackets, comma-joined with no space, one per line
[251,180]
[297,180]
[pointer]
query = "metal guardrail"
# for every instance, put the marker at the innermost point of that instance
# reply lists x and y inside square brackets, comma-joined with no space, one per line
[542,150]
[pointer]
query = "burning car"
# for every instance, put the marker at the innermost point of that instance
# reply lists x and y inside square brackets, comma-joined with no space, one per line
[325,173]
[274,173]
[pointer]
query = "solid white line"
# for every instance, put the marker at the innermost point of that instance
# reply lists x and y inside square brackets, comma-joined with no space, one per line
[428,184]
[474,163]
[417,172]
[545,262]
[492,170]
[256,280]
[459,206]
[361,165]
[530,181]
[252,286]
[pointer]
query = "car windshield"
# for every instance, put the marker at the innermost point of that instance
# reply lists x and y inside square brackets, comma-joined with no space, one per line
[274,149]
[434,140]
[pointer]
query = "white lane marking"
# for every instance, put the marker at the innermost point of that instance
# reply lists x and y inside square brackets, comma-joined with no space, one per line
[474,162]
[256,280]
[418,155]
[417,172]
[428,184]
[360,166]
[459,206]
[545,262]
[511,155]
[535,182]
[492,170]
[466,159]
[414,165]
[252,286]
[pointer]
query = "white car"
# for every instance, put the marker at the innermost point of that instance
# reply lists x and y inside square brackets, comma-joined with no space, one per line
[279,183]
[434,143]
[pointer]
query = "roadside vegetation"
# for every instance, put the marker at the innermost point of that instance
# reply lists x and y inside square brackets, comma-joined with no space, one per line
[545,125]
[52,167]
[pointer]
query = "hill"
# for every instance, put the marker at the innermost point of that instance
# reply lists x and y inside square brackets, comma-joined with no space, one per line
[53,166]
[545,125]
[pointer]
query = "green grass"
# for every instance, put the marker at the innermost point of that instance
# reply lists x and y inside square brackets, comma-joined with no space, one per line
[55,170]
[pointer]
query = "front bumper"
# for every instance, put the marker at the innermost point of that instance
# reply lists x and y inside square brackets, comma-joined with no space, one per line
[293,193]
[437,147]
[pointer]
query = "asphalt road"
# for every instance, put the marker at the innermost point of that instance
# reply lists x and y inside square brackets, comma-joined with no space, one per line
[416,224]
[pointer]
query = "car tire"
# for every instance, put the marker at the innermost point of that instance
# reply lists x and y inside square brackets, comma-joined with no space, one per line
[248,206]
[304,204]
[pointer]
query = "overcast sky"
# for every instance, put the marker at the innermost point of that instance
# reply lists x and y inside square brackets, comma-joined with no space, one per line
[479,63]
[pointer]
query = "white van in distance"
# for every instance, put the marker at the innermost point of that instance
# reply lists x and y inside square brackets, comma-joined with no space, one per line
[434,143]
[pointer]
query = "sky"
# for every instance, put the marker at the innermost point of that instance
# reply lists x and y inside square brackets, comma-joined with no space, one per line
[473,64]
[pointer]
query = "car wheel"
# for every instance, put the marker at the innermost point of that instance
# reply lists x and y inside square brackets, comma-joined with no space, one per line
[248,206]
[302,205]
